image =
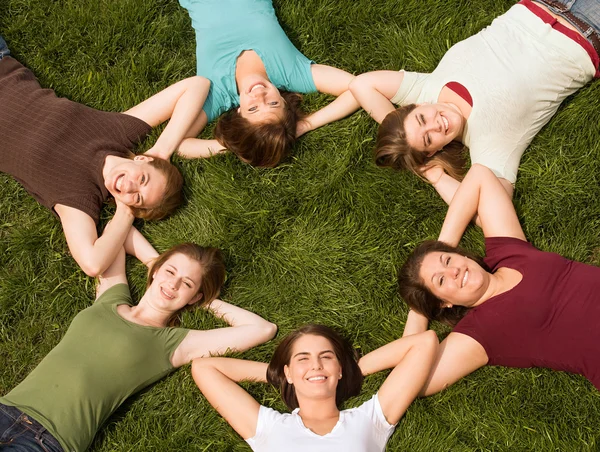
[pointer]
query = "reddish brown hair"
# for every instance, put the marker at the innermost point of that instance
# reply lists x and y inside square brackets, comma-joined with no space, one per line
[265,144]
[392,148]
[417,295]
[347,356]
[211,279]
[172,196]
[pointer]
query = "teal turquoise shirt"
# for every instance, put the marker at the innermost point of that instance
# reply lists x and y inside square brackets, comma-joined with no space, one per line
[224,29]
[102,360]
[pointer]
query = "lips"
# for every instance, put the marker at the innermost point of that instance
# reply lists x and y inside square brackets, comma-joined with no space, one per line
[465,278]
[317,378]
[446,124]
[166,294]
[119,183]
[256,86]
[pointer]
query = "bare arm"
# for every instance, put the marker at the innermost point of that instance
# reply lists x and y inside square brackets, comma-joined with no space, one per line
[332,81]
[247,330]
[114,274]
[94,254]
[182,102]
[373,91]
[192,148]
[415,323]
[411,357]
[481,193]
[217,377]
[137,245]
[458,356]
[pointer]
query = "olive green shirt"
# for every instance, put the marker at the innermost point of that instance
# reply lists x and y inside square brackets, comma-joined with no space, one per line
[100,362]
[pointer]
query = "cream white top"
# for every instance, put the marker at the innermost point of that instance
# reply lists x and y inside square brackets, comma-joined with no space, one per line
[361,429]
[518,71]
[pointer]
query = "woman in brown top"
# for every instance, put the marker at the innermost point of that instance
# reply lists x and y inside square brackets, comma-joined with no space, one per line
[71,158]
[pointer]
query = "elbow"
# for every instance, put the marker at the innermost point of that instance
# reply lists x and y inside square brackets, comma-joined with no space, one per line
[269,331]
[91,268]
[354,85]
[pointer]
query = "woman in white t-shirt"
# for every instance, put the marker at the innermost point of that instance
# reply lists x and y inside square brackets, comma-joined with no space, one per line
[490,93]
[317,370]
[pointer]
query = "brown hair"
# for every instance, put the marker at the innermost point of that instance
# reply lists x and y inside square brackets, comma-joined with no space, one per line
[265,144]
[172,196]
[211,279]
[349,385]
[417,295]
[392,148]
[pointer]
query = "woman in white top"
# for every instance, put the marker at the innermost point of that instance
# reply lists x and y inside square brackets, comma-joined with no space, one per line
[316,370]
[490,93]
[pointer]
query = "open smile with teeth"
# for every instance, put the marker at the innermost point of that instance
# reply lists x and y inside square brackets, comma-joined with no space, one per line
[166,295]
[317,378]
[119,183]
[464,280]
[445,121]
[257,86]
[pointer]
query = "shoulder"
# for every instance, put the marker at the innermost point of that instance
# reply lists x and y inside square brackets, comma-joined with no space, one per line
[498,249]
[371,409]
[272,426]
[118,294]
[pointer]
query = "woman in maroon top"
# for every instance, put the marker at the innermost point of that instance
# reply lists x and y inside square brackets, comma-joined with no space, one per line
[519,307]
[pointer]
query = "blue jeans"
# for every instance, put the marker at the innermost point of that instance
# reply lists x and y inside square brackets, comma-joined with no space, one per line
[20,433]
[585,10]
[3,48]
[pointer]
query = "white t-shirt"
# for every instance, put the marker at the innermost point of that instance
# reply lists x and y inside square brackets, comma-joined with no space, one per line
[362,429]
[518,71]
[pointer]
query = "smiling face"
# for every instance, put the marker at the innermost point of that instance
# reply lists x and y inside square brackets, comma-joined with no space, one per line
[176,283]
[260,100]
[314,368]
[453,278]
[136,183]
[430,127]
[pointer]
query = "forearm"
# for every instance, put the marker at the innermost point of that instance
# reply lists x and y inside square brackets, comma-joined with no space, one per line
[197,148]
[236,316]
[344,105]
[463,207]
[390,355]
[106,248]
[415,323]
[235,369]
[137,245]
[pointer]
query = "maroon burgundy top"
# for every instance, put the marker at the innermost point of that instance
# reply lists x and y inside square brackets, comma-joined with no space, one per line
[550,319]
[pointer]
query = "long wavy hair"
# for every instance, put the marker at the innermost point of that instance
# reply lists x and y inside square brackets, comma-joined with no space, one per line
[392,148]
[417,295]
[264,144]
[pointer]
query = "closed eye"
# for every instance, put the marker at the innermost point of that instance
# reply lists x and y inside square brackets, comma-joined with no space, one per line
[252,109]
[441,280]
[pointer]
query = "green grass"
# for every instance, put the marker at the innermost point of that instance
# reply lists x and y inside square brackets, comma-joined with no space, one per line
[318,239]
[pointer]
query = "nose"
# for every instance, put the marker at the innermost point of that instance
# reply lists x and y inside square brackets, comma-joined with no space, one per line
[175,283]
[129,186]
[317,365]
[452,272]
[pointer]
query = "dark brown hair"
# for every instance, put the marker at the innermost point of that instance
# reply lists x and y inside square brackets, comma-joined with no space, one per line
[349,385]
[211,279]
[392,148]
[417,295]
[265,144]
[172,196]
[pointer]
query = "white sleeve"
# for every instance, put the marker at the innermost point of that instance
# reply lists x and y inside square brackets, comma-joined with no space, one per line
[410,88]
[382,429]
[267,417]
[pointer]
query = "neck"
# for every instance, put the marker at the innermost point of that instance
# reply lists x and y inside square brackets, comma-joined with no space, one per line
[249,63]
[109,163]
[318,410]
[144,313]
[496,286]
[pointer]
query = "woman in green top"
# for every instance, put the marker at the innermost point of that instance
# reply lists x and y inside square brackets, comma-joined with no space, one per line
[115,348]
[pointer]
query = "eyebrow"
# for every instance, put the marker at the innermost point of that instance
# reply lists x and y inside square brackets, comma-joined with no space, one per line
[308,353]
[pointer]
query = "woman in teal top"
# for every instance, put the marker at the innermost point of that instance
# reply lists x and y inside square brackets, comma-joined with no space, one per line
[245,55]
[115,348]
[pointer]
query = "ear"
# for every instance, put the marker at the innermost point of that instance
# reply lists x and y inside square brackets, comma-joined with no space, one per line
[447,305]
[239,110]
[143,158]
[288,374]
[196,298]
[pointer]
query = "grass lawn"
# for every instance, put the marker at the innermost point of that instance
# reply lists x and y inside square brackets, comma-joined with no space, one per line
[317,239]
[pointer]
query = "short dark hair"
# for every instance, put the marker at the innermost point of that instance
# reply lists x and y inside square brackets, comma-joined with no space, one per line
[265,144]
[172,197]
[392,148]
[417,295]
[347,387]
[212,277]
